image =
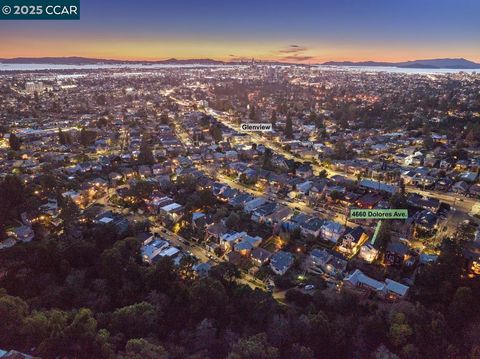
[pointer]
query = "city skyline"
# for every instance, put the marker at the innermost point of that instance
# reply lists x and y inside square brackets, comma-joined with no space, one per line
[304,32]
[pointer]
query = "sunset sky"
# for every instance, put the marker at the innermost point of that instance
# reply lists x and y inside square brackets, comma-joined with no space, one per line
[296,31]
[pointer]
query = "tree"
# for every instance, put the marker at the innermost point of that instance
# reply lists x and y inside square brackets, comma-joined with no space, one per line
[142,189]
[462,307]
[273,119]
[13,312]
[12,194]
[319,123]
[143,349]
[300,352]
[384,234]
[382,352]
[164,120]
[410,351]
[14,142]
[225,272]
[297,297]
[399,331]
[251,114]
[186,183]
[61,137]
[205,334]
[232,221]
[267,159]
[145,157]
[87,137]
[398,201]
[35,328]
[473,134]
[208,298]
[102,122]
[101,100]
[254,347]
[216,133]
[343,114]
[436,283]
[284,281]
[335,195]
[323,174]
[316,120]
[288,132]
[340,150]
[82,325]
[428,143]
[135,321]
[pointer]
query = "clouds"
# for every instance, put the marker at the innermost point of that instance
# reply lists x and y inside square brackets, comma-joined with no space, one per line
[297,58]
[294,53]
[293,49]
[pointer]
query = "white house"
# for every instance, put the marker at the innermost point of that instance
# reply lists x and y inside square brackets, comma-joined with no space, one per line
[332,231]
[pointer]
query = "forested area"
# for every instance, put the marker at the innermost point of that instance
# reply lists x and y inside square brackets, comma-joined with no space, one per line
[92,297]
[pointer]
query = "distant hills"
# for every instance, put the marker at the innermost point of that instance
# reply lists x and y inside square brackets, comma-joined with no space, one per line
[75,60]
[459,63]
[446,63]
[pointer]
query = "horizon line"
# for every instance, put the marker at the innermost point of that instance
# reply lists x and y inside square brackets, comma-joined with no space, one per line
[240,59]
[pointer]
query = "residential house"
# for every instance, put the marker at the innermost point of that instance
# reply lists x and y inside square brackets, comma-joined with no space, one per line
[119,223]
[460,187]
[304,171]
[152,247]
[13,354]
[229,239]
[259,214]
[280,214]
[474,190]
[369,200]
[369,251]
[427,203]
[172,212]
[214,231]
[202,269]
[260,256]
[253,204]
[247,244]
[281,262]
[312,227]
[425,221]
[396,253]
[389,290]
[323,261]
[352,240]
[332,231]
[378,186]
[199,222]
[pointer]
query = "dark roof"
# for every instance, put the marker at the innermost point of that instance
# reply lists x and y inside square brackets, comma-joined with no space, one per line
[426,218]
[282,260]
[266,209]
[261,254]
[397,248]
[234,257]
[313,224]
[304,167]
[356,233]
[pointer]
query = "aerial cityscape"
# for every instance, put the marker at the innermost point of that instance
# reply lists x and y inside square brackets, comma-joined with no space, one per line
[255,195]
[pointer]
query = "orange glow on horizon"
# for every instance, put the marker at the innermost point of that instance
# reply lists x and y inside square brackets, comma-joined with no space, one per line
[152,50]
